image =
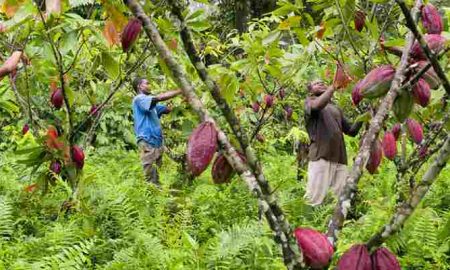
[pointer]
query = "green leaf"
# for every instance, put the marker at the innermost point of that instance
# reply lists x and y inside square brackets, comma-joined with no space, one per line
[198,26]
[69,42]
[111,65]
[271,37]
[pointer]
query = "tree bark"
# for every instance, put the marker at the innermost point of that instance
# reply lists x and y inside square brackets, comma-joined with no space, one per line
[344,204]
[291,260]
[241,15]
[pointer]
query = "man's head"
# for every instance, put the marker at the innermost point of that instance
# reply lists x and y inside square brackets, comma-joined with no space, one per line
[316,87]
[140,85]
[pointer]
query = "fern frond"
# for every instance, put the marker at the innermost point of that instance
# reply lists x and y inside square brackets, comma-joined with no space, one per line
[6,218]
[77,3]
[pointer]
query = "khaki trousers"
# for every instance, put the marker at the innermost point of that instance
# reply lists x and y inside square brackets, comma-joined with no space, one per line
[323,174]
[151,158]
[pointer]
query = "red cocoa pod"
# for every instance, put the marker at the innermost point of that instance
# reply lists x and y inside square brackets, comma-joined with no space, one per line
[201,146]
[57,98]
[268,99]
[130,33]
[436,43]
[376,154]
[396,129]
[431,19]
[78,156]
[315,246]
[360,19]
[282,93]
[288,110]
[356,93]
[403,105]
[377,82]
[421,93]
[429,76]
[383,259]
[414,130]
[25,129]
[94,110]
[256,106]
[389,145]
[356,258]
[55,167]
[341,78]
[423,151]
[222,172]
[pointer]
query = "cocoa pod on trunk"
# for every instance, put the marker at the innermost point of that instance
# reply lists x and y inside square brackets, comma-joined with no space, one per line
[403,106]
[356,93]
[78,156]
[130,33]
[377,82]
[268,99]
[25,129]
[389,145]
[288,110]
[414,130]
[360,20]
[431,19]
[356,258]
[383,259]
[421,93]
[222,172]
[282,93]
[429,76]
[201,146]
[396,129]
[57,98]
[315,246]
[436,43]
[55,167]
[255,106]
[376,154]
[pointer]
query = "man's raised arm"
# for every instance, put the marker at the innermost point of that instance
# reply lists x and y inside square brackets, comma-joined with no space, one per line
[321,101]
[166,95]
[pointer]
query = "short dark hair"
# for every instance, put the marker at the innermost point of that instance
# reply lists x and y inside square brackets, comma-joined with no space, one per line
[136,82]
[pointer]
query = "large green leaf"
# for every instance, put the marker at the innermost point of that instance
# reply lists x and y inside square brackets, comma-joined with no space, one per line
[111,65]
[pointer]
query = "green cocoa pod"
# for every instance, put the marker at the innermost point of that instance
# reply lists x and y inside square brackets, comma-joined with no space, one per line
[377,82]
[403,106]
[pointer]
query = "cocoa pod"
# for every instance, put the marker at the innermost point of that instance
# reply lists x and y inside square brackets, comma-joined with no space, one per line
[288,110]
[431,19]
[55,167]
[403,106]
[282,93]
[360,19]
[383,259]
[222,171]
[268,99]
[25,129]
[52,141]
[436,43]
[396,129]
[356,93]
[389,145]
[429,76]
[255,106]
[57,98]
[78,156]
[315,247]
[341,78]
[130,33]
[201,146]
[421,93]
[377,82]
[94,111]
[356,258]
[376,154]
[423,151]
[414,130]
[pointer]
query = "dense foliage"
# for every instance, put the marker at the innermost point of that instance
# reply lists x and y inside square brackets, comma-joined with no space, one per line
[100,214]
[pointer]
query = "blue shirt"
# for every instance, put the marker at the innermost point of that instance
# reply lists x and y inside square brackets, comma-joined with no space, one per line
[147,125]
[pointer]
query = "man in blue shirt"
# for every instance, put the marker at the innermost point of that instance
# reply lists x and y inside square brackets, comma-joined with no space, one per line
[147,126]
